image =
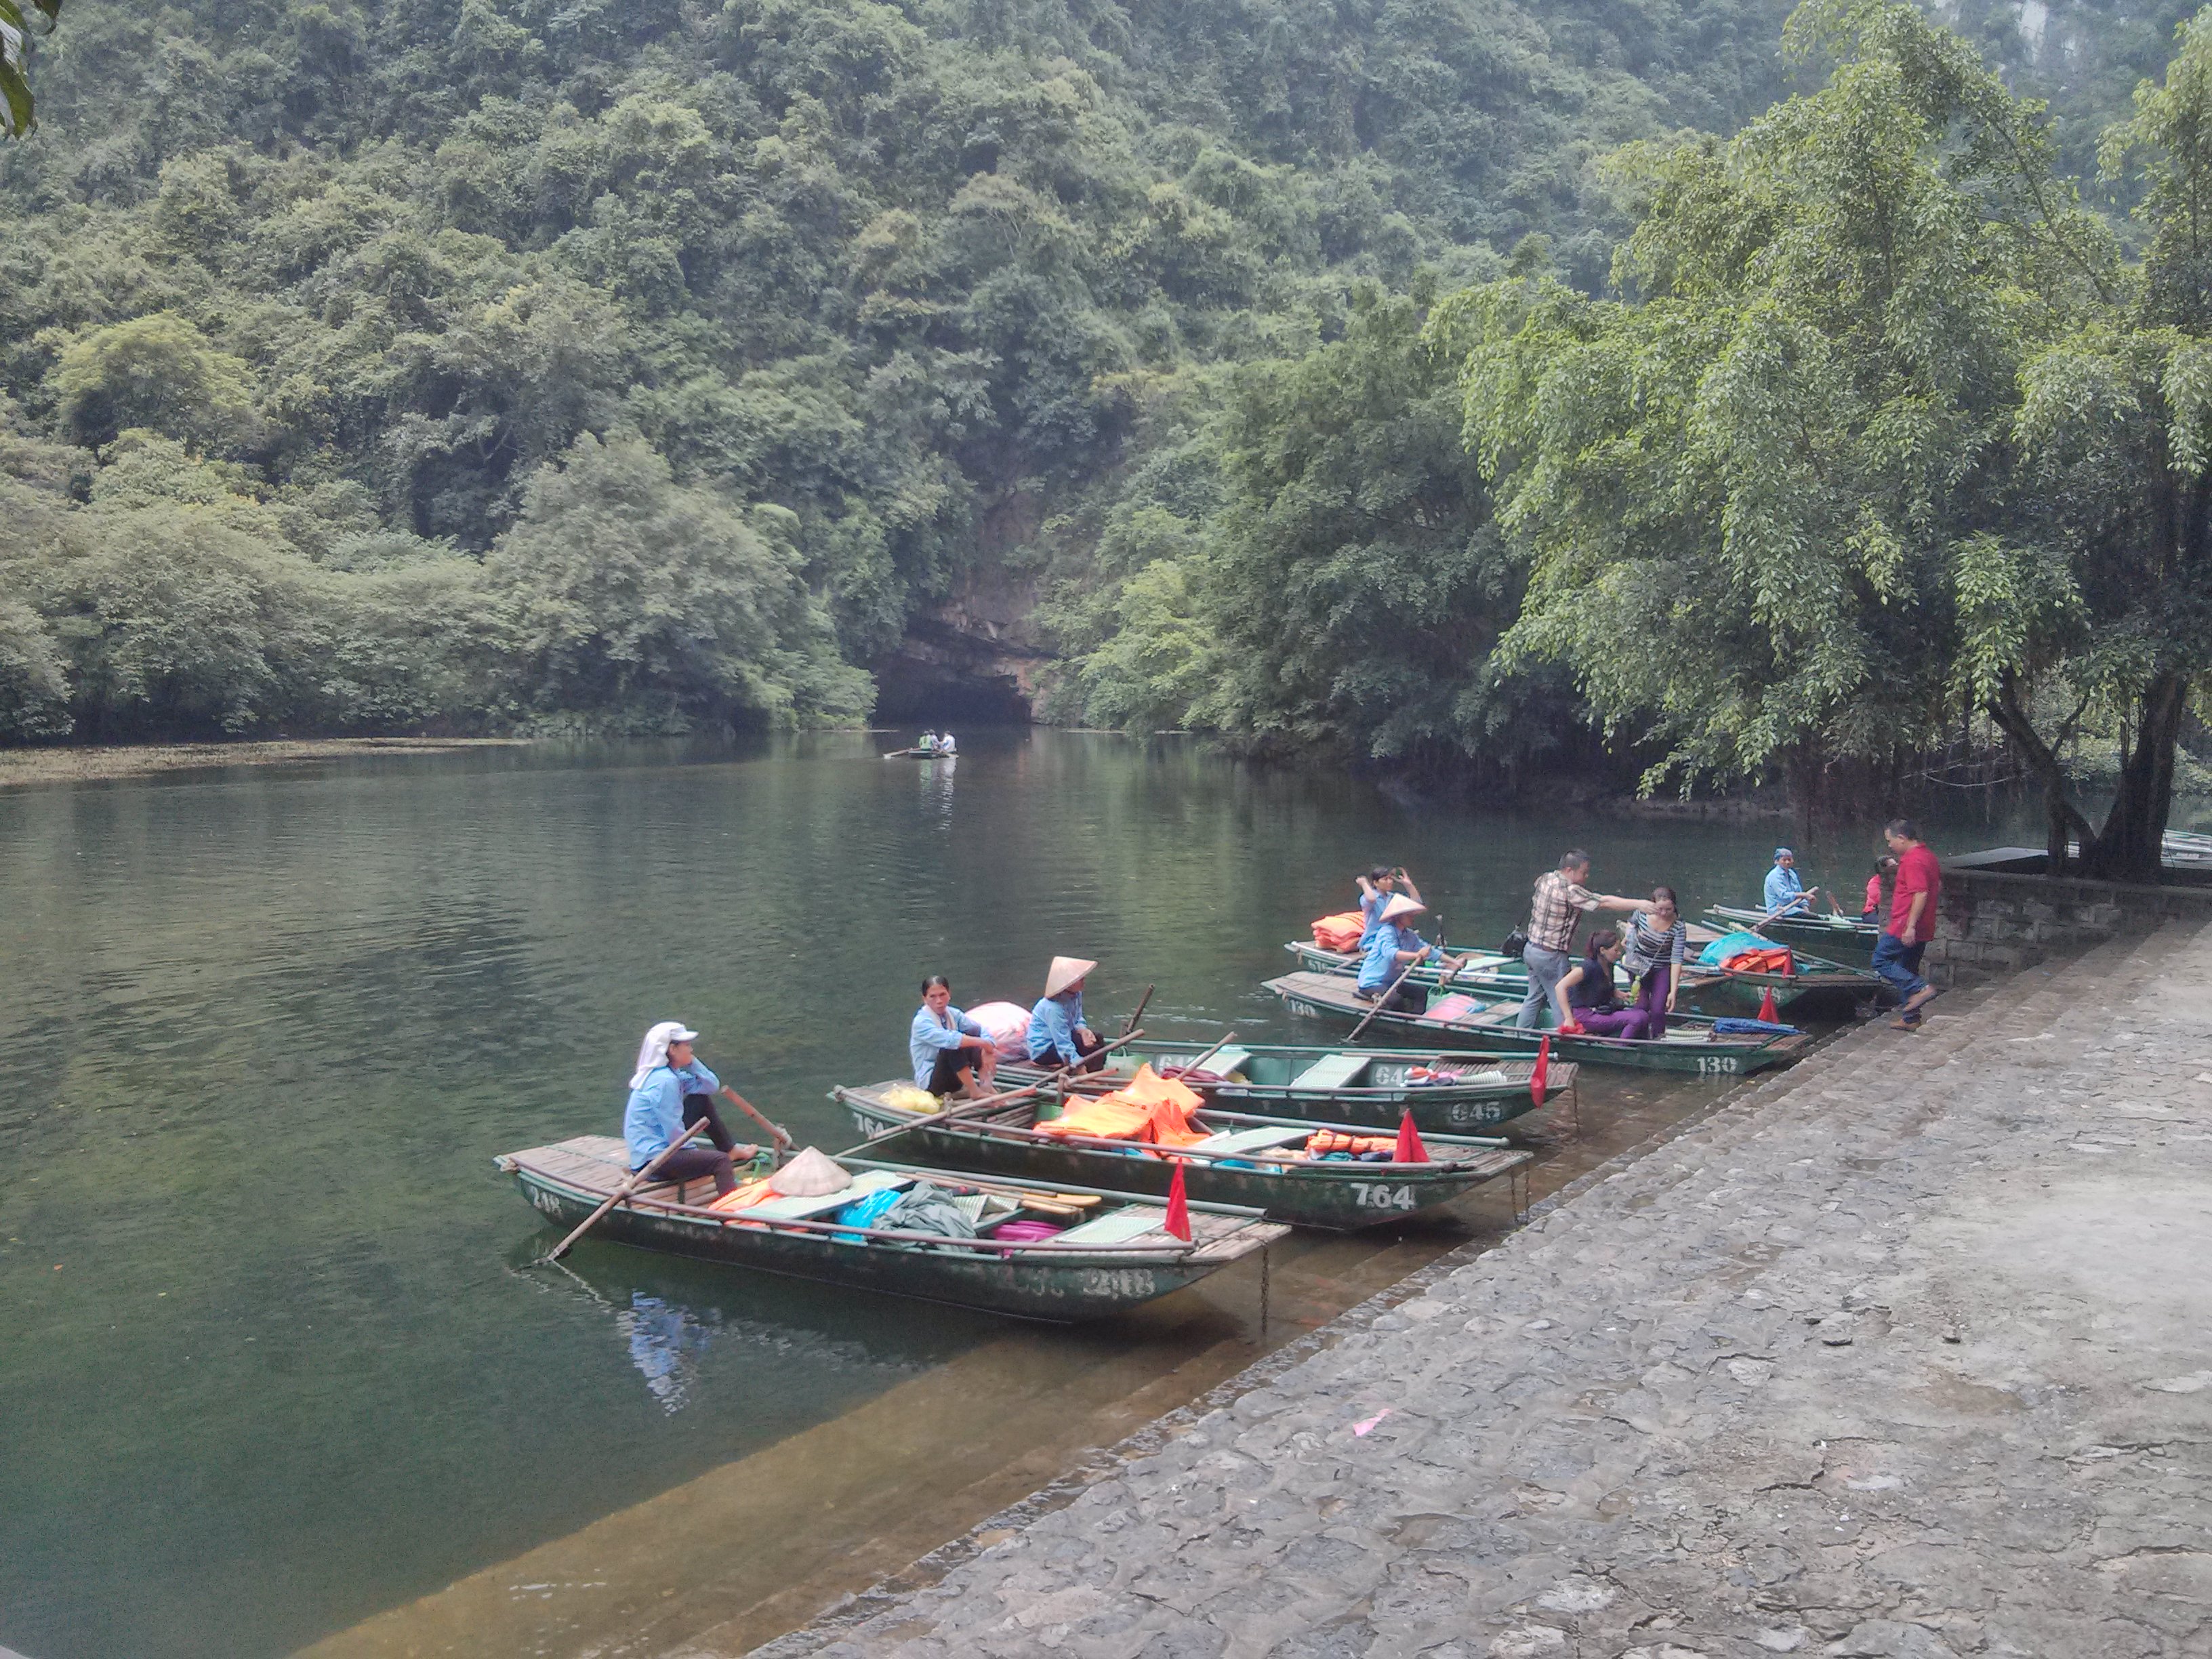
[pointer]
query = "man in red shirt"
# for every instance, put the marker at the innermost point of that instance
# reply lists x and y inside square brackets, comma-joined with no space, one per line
[1912,896]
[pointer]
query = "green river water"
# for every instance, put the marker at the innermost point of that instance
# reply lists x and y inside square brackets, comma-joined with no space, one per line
[268,1366]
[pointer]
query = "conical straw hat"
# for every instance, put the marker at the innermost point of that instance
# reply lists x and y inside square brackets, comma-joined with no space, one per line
[1402,905]
[812,1174]
[1066,972]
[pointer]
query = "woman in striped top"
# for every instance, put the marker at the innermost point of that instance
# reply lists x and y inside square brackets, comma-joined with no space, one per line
[1657,940]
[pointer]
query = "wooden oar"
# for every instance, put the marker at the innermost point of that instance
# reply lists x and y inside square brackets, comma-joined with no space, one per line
[1227,1037]
[636,1181]
[1382,1001]
[1130,1023]
[783,1140]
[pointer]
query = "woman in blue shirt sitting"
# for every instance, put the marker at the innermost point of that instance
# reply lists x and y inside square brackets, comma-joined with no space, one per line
[1058,1035]
[669,1093]
[952,1054]
[1394,947]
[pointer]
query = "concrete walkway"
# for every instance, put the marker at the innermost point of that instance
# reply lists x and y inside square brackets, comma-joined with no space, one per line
[1907,1352]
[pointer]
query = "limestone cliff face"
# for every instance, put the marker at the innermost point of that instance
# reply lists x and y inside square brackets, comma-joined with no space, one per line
[975,653]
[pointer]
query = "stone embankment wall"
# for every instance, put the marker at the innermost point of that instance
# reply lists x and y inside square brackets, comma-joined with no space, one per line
[1995,923]
[1899,1355]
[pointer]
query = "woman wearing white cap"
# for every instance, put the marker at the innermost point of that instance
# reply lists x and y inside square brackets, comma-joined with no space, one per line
[670,1091]
[1056,1029]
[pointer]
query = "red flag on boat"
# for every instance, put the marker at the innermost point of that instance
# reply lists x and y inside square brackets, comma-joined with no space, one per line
[1767,1007]
[1178,1205]
[1542,1074]
[1410,1150]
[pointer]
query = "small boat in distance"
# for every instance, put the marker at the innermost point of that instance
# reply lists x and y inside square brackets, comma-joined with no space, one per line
[1118,1255]
[1845,939]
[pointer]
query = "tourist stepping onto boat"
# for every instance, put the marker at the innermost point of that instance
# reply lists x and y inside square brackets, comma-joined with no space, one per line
[1787,895]
[1058,1035]
[952,1054]
[1913,892]
[1377,889]
[669,1093]
[1395,947]
[1883,866]
[1654,941]
[1555,911]
[1592,997]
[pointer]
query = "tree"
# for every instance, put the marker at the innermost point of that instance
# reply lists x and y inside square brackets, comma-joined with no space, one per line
[640,602]
[17,115]
[158,373]
[1884,434]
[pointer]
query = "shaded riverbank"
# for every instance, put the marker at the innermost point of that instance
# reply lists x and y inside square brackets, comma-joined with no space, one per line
[94,763]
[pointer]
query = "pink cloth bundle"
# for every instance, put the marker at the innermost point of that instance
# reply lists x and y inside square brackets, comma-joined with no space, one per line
[1024,1232]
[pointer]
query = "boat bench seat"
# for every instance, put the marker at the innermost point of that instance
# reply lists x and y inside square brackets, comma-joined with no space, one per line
[1333,1072]
[1115,1227]
[1251,1140]
[1226,1060]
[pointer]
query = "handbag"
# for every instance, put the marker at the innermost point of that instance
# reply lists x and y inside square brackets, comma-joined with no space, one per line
[1514,946]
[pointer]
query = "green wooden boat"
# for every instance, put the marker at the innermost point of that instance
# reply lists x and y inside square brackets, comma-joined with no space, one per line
[1118,1259]
[1243,1164]
[1691,1043]
[1818,980]
[1486,970]
[1817,976]
[1842,938]
[1364,1087]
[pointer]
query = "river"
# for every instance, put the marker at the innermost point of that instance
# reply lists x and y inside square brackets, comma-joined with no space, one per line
[272,1363]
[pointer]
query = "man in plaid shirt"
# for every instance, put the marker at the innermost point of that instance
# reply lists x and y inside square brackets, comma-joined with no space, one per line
[1555,911]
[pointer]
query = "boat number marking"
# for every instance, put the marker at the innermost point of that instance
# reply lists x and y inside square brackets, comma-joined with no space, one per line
[1707,1063]
[1389,1077]
[1117,1281]
[1306,1008]
[1380,1197]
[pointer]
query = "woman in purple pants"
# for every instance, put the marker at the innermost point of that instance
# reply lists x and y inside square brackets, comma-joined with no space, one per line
[1656,939]
[1588,991]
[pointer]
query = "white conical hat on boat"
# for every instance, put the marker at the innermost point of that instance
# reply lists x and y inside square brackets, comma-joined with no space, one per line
[1066,972]
[1402,905]
[812,1174]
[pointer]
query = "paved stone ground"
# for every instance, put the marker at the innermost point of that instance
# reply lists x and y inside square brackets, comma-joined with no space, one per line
[1904,1353]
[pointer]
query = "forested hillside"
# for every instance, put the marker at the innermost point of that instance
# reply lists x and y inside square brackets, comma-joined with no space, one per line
[658,362]
[497,363]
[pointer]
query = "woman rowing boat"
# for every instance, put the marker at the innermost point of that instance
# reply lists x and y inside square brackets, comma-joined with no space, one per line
[1393,948]
[1057,1035]
[952,1054]
[669,1093]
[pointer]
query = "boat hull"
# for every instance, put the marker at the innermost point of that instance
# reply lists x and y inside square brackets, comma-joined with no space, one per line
[1058,1288]
[1385,1094]
[1321,996]
[1338,1198]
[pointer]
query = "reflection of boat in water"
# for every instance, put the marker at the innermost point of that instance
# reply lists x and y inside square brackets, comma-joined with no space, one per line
[672,1318]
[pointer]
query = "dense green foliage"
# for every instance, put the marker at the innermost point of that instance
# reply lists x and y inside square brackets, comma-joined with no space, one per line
[911,274]
[1891,428]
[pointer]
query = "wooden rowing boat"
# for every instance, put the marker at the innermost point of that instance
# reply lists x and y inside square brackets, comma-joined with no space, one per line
[1843,938]
[1117,1258]
[1364,1087]
[1243,1162]
[1691,1043]
[1817,977]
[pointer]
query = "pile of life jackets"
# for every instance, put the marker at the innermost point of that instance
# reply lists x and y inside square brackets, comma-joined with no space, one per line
[1148,1108]
[1340,932]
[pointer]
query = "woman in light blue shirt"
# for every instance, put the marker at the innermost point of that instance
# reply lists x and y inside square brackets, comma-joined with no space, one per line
[1058,1035]
[952,1054]
[669,1093]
